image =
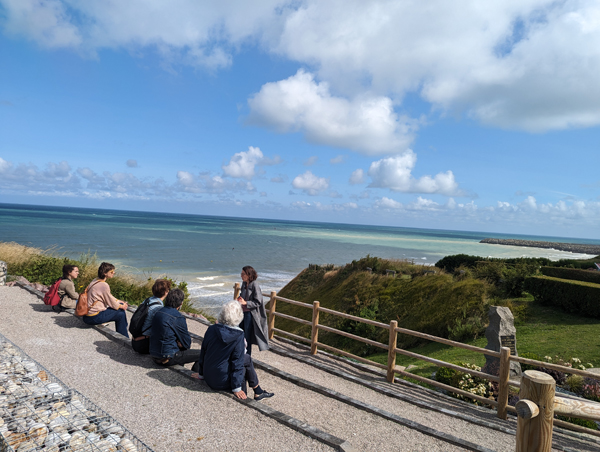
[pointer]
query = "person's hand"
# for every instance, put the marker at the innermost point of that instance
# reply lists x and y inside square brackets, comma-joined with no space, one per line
[180,346]
[240,395]
[124,305]
[242,301]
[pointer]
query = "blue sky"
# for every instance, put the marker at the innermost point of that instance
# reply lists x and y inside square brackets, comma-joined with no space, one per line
[446,115]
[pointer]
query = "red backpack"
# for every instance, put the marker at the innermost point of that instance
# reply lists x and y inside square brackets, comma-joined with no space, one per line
[52,298]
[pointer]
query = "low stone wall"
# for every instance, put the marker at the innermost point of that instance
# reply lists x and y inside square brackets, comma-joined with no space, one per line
[572,247]
[3,271]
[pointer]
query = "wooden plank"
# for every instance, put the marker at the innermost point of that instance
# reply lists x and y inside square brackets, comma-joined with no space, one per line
[353,336]
[350,355]
[535,434]
[295,336]
[569,370]
[294,302]
[439,363]
[392,351]
[441,340]
[503,383]
[576,428]
[314,332]
[448,388]
[577,408]
[353,317]
[294,319]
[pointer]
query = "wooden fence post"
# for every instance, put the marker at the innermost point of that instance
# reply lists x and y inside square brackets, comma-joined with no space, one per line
[392,351]
[236,290]
[314,336]
[534,434]
[504,375]
[272,314]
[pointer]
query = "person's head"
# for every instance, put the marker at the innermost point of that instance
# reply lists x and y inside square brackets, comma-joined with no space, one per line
[106,270]
[250,273]
[70,271]
[175,299]
[231,314]
[161,287]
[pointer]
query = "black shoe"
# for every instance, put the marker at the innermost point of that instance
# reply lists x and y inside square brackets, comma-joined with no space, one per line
[264,395]
[56,308]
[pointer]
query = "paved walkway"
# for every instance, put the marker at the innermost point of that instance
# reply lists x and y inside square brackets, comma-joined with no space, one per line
[171,412]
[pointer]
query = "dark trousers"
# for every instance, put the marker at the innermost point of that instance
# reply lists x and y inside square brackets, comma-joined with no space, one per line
[251,376]
[142,346]
[248,326]
[182,357]
[109,315]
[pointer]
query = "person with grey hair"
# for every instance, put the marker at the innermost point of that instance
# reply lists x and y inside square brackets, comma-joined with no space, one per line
[224,363]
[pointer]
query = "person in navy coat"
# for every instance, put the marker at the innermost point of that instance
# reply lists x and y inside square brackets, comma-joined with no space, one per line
[224,364]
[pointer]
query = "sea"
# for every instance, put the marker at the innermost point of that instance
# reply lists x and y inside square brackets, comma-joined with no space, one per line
[208,252]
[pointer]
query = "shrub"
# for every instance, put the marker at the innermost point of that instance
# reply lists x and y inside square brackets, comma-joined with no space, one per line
[466,328]
[466,382]
[451,263]
[573,296]
[575,383]
[582,422]
[576,274]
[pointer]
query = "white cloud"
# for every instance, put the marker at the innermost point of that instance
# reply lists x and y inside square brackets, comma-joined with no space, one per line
[242,163]
[387,203]
[525,64]
[357,177]
[395,173]
[366,124]
[205,183]
[132,163]
[310,184]
[337,160]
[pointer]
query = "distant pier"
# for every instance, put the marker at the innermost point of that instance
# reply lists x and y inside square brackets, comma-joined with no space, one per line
[572,247]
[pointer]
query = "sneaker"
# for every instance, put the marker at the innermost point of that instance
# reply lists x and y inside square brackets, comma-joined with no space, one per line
[264,395]
[56,308]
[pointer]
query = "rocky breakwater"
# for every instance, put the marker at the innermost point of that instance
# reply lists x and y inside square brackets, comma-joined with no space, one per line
[572,247]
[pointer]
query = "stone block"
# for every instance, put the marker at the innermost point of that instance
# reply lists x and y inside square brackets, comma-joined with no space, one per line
[3,272]
[501,332]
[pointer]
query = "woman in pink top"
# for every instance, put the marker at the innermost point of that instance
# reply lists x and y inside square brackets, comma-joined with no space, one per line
[103,307]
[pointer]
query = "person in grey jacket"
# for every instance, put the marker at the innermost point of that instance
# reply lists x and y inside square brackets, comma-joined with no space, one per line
[255,316]
[66,289]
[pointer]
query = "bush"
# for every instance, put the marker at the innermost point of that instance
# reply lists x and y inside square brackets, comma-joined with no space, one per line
[575,274]
[466,328]
[577,297]
[466,382]
[451,263]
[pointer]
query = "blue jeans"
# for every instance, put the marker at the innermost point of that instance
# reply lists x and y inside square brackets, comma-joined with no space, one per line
[110,315]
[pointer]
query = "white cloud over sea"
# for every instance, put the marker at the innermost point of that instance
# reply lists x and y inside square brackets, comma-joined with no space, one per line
[510,64]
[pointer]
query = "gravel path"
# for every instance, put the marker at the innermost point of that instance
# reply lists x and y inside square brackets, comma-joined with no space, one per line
[173,413]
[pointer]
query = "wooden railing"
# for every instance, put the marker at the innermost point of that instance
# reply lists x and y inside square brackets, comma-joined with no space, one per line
[391,369]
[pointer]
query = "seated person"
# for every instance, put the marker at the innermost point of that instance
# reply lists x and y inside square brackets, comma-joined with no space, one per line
[102,306]
[170,340]
[66,289]
[160,289]
[224,363]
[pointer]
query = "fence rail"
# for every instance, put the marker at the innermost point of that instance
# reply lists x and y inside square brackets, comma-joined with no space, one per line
[502,379]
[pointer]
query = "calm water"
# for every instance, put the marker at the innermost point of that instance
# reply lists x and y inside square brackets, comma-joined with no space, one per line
[209,252]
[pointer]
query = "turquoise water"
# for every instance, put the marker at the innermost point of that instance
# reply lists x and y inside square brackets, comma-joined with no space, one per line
[208,252]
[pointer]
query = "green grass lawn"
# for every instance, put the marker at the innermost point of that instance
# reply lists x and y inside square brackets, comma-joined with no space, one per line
[546,331]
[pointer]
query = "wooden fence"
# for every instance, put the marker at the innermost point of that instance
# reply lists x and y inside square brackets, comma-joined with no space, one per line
[504,356]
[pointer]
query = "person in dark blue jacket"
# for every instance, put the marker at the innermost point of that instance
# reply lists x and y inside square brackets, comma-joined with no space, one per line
[224,363]
[170,340]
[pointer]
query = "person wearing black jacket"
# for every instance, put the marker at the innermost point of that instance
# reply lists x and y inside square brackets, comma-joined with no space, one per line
[170,340]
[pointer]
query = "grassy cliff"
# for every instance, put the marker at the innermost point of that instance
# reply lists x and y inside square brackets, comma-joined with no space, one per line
[421,298]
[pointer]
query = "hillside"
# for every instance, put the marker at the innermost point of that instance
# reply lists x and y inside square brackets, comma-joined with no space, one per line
[418,297]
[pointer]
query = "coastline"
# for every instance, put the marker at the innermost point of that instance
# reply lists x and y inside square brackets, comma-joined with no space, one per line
[560,246]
